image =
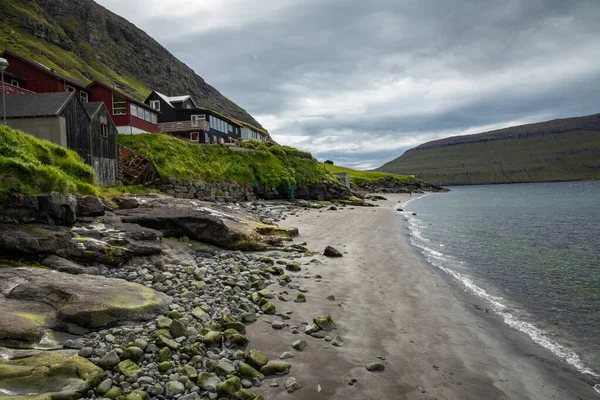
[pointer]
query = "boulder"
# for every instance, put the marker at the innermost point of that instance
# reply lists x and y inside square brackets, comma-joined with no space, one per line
[51,209]
[325,322]
[207,381]
[246,371]
[126,203]
[245,394]
[49,373]
[256,358]
[84,300]
[332,252]
[275,368]
[128,368]
[70,267]
[229,387]
[89,206]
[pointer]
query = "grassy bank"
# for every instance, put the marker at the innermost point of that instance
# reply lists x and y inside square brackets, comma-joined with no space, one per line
[30,166]
[362,177]
[270,165]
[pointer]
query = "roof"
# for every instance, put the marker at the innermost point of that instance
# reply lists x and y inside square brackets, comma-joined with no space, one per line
[45,69]
[126,96]
[93,108]
[172,99]
[36,105]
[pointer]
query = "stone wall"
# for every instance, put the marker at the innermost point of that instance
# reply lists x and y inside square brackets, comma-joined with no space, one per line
[226,192]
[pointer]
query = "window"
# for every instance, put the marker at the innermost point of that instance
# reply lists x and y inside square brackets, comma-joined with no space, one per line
[134,110]
[83,96]
[155,104]
[147,115]
[196,120]
[195,136]
[70,88]
[206,138]
[154,119]
[14,82]
[230,128]
[214,139]
[119,105]
[103,127]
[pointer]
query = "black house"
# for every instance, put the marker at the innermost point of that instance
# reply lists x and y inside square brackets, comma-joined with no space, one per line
[181,117]
[104,150]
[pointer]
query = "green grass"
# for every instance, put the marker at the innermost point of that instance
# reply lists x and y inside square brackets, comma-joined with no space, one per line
[273,166]
[31,166]
[362,177]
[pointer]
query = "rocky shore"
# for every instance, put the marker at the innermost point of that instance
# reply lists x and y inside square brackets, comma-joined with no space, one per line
[148,297]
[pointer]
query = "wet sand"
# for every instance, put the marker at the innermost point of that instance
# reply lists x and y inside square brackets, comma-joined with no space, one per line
[390,303]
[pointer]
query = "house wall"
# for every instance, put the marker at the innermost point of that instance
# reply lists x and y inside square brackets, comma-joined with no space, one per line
[166,113]
[53,129]
[126,123]
[106,170]
[36,79]
[78,129]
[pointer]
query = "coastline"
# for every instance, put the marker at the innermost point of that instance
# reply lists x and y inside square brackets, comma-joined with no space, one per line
[390,303]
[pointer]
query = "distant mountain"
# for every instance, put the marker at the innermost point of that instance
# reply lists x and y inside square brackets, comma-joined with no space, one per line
[86,41]
[558,150]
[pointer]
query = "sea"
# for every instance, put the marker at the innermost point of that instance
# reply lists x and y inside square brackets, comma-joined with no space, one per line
[530,252]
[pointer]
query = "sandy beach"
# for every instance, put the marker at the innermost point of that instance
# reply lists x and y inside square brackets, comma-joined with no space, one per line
[390,303]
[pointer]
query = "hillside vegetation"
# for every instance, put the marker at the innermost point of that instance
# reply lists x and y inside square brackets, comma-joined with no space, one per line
[270,165]
[361,177]
[87,42]
[558,150]
[31,166]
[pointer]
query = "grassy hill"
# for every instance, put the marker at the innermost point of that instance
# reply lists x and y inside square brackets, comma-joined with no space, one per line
[87,42]
[31,166]
[269,164]
[558,150]
[361,177]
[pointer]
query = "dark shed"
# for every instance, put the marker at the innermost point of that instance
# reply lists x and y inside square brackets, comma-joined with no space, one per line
[104,152]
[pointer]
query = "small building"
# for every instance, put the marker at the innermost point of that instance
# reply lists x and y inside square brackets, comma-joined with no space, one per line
[38,78]
[182,118]
[345,178]
[57,117]
[129,115]
[250,132]
[104,152]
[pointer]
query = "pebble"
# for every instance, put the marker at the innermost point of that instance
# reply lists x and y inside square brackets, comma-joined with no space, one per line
[375,367]
[292,385]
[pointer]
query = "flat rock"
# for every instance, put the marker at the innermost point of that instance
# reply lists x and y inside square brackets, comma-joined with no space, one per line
[375,367]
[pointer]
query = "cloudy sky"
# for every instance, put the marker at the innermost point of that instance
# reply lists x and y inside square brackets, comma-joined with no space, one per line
[360,82]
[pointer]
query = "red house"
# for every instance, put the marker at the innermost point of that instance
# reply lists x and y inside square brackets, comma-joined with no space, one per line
[129,115]
[38,78]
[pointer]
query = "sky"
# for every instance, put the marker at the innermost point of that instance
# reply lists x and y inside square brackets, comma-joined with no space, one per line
[360,82]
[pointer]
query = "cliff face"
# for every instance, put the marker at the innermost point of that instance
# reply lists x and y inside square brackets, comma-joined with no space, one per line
[558,150]
[86,41]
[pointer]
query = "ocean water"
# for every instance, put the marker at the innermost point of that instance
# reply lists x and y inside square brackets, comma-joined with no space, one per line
[531,252]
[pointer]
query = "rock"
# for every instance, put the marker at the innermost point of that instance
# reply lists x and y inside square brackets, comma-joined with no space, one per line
[310,329]
[177,329]
[337,341]
[109,360]
[331,298]
[375,367]
[63,265]
[292,385]
[49,374]
[246,371]
[128,368]
[299,345]
[132,353]
[165,366]
[208,381]
[234,338]
[191,396]
[200,314]
[87,301]
[89,206]
[224,368]
[256,358]
[52,209]
[268,308]
[104,386]
[238,326]
[113,393]
[175,388]
[213,338]
[249,317]
[285,355]
[275,368]
[266,293]
[165,341]
[279,325]
[164,354]
[325,323]
[164,323]
[245,394]
[332,252]
[126,203]
[229,387]
[319,389]
[300,298]
[294,267]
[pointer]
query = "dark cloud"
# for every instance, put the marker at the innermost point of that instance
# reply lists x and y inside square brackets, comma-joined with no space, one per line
[361,82]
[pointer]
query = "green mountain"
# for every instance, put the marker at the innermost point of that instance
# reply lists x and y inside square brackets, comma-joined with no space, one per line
[87,42]
[558,150]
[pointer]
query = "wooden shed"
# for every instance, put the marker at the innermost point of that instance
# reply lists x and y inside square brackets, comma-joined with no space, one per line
[104,151]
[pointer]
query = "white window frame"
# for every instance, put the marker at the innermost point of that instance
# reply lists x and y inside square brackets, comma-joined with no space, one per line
[71,89]
[119,105]
[196,118]
[197,137]
[155,104]
[84,96]
[206,138]
[133,109]
[154,118]
[15,82]
[147,116]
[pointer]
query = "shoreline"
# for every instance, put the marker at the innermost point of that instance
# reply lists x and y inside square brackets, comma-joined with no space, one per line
[434,342]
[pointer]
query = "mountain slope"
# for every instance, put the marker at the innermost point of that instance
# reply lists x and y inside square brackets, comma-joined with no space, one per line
[86,41]
[558,150]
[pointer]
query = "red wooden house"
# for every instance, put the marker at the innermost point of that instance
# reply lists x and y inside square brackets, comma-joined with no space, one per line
[38,78]
[129,115]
